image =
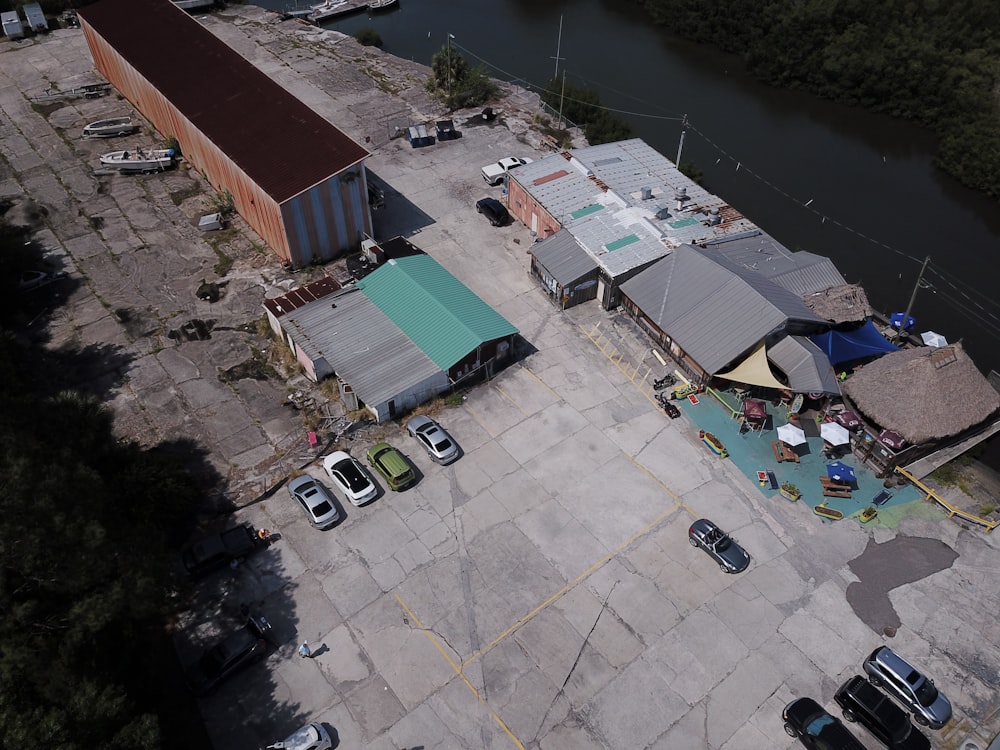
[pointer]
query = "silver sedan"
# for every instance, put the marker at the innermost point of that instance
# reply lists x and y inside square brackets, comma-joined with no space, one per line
[440,446]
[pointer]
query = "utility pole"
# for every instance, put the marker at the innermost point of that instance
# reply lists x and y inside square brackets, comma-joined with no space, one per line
[680,145]
[913,298]
[555,75]
[450,37]
[561,94]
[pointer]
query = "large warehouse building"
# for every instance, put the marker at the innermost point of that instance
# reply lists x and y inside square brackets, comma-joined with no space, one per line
[297,180]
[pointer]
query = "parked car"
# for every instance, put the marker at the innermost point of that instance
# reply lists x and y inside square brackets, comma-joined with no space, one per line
[892,673]
[808,721]
[494,173]
[320,508]
[310,737]
[390,463]
[218,550]
[245,646]
[732,558]
[493,210]
[350,477]
[874,710]
[440,446]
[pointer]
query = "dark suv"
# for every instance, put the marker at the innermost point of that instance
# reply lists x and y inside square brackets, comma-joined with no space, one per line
[213,552]
[815,728]
[864,703]
[245,646]
[493,210]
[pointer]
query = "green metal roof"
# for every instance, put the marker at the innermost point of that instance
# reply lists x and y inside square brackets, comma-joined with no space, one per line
[434,309]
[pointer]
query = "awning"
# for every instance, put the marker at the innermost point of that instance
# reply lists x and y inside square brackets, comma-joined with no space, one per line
[807,368]
[843,346]
[754,370]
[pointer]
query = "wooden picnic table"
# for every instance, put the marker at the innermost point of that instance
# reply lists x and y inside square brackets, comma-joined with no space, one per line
[783,453]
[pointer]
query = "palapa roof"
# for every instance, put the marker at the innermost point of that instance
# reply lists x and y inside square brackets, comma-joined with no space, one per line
[924,393]
[846,303]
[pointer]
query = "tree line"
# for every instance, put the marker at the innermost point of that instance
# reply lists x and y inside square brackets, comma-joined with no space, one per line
[89,528]
[931,62]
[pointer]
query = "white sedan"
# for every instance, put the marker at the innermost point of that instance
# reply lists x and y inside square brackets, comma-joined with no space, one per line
[350,477]
[495,172]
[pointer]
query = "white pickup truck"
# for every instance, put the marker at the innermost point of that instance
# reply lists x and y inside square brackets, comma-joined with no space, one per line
[494,173]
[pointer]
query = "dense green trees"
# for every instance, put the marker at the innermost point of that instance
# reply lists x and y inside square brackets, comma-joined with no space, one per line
[456,83]
[583,107]
[933,62]
[87,524]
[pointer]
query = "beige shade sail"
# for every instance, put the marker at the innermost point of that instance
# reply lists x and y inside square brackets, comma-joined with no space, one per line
[754,370]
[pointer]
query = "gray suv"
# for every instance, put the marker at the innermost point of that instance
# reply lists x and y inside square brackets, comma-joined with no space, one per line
[892,673]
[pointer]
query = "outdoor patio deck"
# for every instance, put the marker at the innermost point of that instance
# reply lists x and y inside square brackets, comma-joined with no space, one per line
[751,451]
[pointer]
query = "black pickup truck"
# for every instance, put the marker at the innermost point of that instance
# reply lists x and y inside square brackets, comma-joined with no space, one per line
[218,550]
[875,711]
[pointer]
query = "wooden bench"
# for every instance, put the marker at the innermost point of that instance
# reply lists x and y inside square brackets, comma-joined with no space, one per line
[833,492]
[833,484]
[783,453]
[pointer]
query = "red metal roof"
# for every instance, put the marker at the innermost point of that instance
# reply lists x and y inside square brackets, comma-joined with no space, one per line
[277,140]
[296,298]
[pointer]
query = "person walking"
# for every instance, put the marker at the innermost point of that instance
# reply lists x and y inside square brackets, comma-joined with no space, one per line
[304,651]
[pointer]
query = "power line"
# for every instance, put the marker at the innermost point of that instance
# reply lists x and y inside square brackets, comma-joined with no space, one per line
[965,308]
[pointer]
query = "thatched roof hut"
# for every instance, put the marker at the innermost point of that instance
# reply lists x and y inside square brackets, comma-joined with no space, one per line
[847,303]
[924,393]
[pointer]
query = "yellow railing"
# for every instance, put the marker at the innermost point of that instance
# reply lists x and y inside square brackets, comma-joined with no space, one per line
[950,509]
[718,397]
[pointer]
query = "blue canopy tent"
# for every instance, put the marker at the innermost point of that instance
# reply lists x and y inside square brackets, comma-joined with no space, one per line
[844,346]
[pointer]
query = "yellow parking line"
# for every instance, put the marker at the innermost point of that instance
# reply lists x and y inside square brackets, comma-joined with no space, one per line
[458,670]
[528,370]
[565,589]
[480,421]
[500,390]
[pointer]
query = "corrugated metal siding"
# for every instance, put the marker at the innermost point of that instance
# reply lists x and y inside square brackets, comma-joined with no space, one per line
[714,312]
[276,139]
[562,256]
[305,197]
[363,346]
[439,313]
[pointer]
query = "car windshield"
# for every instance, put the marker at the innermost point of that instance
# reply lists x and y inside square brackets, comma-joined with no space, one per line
[723,544]
[350,475]
[212,662]
[442,445]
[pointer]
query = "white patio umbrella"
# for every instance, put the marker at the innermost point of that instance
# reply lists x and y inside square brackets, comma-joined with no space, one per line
[933,339]
[791,435]
[834,433]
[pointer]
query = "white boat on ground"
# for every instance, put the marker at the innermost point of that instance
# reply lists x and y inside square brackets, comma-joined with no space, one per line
[139,160]
[109,128]
[327,10]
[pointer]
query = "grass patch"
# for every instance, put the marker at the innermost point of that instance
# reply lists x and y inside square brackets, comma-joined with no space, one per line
[224,263]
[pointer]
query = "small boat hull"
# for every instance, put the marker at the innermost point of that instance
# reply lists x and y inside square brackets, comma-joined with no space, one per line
[110,128]
[154,160]
[377,6]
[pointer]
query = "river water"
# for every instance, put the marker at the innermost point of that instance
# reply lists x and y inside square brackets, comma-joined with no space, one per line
[856,187]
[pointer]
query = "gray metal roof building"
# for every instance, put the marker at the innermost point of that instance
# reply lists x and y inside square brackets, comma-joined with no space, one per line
[714,309]
[361,344]
[563,257]
[799,272]
[627,204]
[805,365]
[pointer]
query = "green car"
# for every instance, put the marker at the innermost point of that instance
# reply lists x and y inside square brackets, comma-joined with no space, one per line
[390,463]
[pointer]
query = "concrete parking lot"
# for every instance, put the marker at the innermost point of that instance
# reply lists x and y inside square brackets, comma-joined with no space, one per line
[540,591]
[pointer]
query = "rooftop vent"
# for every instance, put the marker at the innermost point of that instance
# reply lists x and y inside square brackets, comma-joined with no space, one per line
[647,193]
